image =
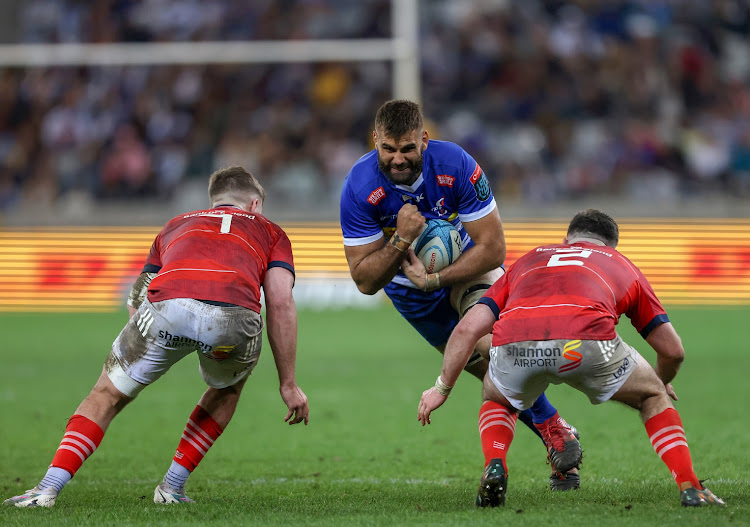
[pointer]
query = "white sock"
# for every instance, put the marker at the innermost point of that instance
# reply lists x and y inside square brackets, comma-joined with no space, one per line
[55,478]
[177,476]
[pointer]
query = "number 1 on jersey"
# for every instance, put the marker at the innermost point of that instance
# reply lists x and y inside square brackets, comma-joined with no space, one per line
[226,221]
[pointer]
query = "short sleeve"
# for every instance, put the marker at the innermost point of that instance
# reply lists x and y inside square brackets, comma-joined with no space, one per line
[358,225]
[475,199]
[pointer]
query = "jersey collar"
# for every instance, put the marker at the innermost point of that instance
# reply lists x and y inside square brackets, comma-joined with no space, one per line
[414,186]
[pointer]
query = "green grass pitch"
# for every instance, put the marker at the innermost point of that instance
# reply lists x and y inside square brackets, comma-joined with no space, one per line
[363,459]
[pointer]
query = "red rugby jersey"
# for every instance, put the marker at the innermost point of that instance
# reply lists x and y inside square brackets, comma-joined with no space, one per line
[571,292]
[219,254]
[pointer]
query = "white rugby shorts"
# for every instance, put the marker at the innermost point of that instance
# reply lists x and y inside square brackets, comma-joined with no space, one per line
[522,371]
[227,340]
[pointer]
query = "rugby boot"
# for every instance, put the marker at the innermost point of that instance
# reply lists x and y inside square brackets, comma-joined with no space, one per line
[692,497]
[567,481]
[34,498]
[493,485]
[165,494]
[563,449]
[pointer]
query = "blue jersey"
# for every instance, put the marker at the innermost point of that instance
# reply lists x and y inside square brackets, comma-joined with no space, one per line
[452,187]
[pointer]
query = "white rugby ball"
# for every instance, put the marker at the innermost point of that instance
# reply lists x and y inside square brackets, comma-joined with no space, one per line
[438,246]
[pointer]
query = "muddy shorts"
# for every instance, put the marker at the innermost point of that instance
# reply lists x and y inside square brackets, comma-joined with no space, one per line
[227,340]
[523,370]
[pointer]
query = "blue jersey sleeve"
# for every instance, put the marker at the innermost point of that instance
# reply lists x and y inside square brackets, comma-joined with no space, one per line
[358,225]
[475,199]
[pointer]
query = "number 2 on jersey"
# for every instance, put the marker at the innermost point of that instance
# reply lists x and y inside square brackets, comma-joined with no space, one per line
[568,257]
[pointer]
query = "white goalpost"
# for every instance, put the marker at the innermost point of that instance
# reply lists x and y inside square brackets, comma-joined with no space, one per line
[400,49]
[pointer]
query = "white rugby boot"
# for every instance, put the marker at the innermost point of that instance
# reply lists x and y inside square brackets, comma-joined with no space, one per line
[165,494]
[34,498]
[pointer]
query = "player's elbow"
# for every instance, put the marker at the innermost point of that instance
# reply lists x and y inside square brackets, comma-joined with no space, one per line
[674,354]
[367,289]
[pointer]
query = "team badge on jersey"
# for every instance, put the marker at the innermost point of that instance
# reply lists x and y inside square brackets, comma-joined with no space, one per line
[481,183]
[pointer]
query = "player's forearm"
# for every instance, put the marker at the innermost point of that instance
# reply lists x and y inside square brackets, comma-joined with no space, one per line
[281,327]
[461,345]
[375,271]
[667,368]
[473,263]
[669,351]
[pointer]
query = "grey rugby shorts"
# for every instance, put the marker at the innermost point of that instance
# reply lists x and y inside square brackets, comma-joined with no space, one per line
[522,371]
[227,340]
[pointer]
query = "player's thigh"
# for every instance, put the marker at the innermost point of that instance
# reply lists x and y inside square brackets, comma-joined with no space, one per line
[642,384]
[140,354]
[521,382]
[235,339]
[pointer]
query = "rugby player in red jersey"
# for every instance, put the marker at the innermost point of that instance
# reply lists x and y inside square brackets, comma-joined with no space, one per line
[199,292]
[553,317]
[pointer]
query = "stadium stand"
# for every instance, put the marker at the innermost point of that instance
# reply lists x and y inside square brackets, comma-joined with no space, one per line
[642,101]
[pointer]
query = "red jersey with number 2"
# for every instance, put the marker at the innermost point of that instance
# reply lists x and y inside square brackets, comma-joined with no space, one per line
[571,292]
[220,254]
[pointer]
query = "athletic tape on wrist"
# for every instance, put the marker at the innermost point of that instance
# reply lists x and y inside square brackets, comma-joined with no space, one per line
[432,282]
[442,388]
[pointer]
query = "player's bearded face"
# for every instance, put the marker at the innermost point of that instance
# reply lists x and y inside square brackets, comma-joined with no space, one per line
[400,161]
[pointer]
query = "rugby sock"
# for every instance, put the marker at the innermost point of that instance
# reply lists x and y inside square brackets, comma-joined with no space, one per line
[200,433]
[56,478]
[542,409]
[668,439]
[82,437]
[177,476]
[497,425]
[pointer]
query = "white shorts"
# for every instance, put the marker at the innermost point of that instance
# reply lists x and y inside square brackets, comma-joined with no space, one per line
[523,370]
[227,340]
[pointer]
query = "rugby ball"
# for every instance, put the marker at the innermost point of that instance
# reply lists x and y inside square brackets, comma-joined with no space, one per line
[438,246]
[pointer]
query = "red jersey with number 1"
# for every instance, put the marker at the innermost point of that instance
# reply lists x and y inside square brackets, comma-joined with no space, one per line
[571,292]
[219,254]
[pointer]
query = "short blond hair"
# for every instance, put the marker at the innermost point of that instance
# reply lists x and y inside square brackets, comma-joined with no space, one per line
[234,181]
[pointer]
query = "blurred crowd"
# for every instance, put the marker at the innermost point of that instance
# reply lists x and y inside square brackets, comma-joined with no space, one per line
[646,99]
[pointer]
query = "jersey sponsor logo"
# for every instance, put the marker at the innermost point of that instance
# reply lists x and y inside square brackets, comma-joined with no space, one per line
[222,352]
[574,356]
[481,183]
[622,370]
[533,357]
[376,196]
[177,341]
[444,180]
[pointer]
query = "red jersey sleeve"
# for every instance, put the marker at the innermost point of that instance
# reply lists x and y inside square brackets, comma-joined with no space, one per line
[281,252]
[153,260]
[642,307]
[496,296]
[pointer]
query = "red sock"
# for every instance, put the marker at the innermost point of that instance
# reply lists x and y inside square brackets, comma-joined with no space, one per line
[668,438]
[497,425]
[200,433]
[82,436]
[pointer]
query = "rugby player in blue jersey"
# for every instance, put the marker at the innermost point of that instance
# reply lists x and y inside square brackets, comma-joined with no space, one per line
[387,196]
